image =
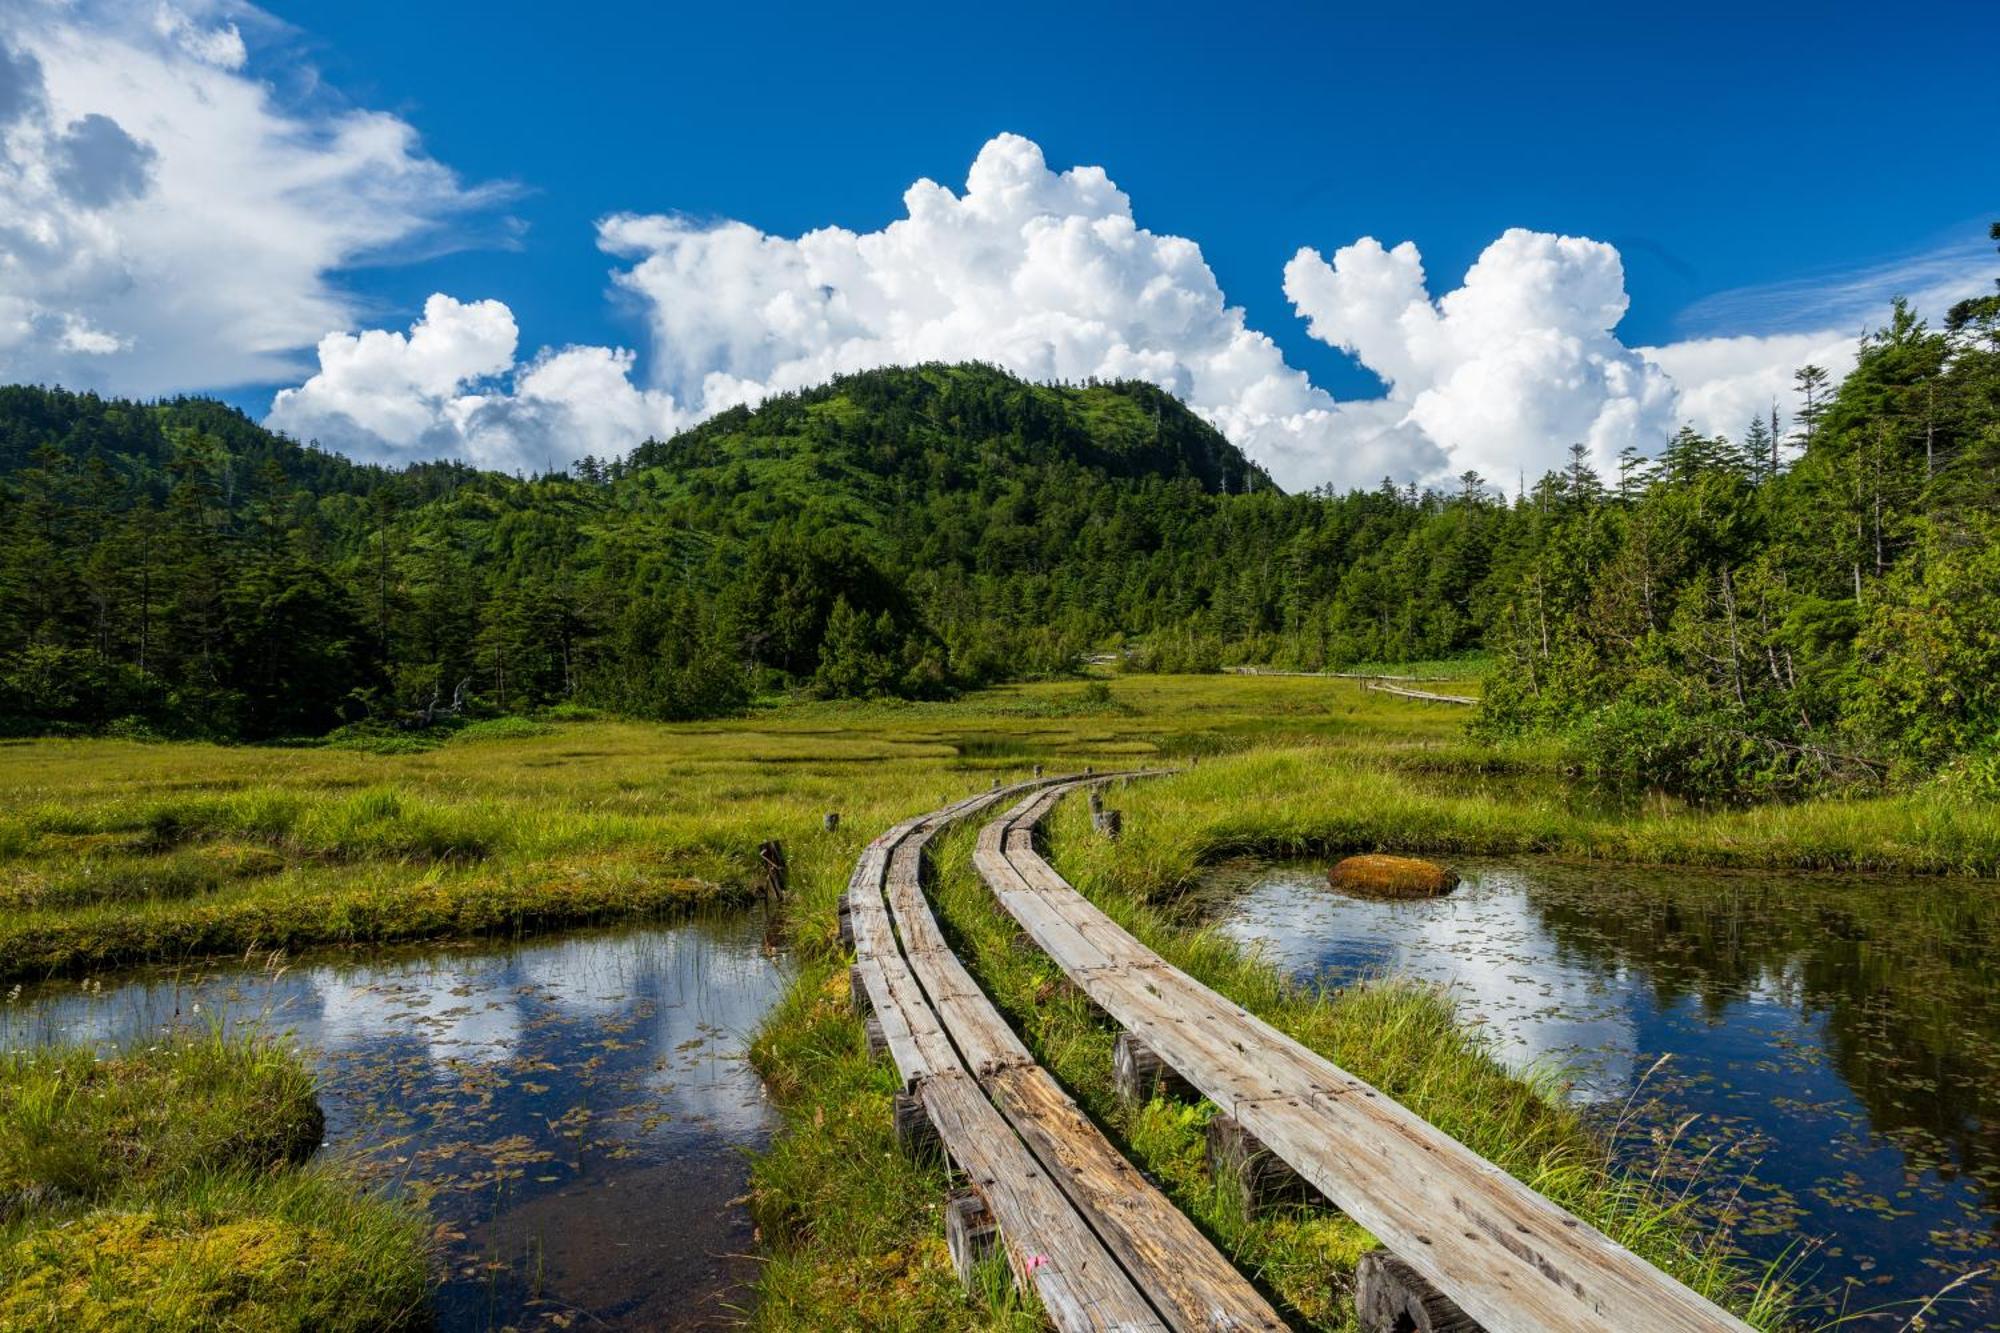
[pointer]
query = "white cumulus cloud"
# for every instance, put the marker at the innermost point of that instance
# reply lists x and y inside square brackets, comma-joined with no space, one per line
[1509,369]
[450,387]
[168,221]
[1044,272]
[1727,382]
[1049,274]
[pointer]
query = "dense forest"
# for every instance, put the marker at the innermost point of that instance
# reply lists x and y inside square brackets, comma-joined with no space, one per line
[1816,600]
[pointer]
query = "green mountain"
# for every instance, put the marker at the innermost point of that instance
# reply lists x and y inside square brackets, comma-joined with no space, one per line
[1731,616]
[868,448]
[903,530]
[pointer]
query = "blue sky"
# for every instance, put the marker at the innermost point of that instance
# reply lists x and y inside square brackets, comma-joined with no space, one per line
[1757,172]
[1716,147]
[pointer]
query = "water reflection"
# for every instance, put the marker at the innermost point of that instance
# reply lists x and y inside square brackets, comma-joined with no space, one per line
[1837,1041]
[574,1112]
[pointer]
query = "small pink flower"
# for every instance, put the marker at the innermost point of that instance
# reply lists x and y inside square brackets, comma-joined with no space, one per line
[1034,1261]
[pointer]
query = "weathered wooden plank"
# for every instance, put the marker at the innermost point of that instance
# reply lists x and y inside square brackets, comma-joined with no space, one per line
[1511,1259]
[1188,1280]
[911,1058]
[1171,1262]
[1048,1245]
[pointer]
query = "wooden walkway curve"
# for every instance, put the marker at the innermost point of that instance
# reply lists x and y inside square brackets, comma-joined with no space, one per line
[1510,1259]
[1102,1247]
[1425,695]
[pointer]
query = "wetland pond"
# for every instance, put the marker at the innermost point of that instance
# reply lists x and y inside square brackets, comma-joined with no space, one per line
[575,1111]
[1837,1043]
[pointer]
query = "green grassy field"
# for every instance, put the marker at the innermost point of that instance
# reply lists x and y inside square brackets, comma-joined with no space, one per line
[118,852]
[114,853]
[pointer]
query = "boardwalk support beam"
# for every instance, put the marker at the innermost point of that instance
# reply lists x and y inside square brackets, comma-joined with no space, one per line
[970,1234]
[1264,1181]
[916,1136]
[1392,1297]
[1139,1074]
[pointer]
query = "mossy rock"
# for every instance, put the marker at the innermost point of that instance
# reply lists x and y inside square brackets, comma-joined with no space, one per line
[1392,877]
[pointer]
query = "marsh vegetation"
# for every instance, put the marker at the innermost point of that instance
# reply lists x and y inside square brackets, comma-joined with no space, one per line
[120,853]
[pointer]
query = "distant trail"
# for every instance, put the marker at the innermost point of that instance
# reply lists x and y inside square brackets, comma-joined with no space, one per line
[1330,675]
[1426,695]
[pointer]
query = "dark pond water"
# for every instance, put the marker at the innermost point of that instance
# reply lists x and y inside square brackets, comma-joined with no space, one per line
[575,1111]
[1837,1043]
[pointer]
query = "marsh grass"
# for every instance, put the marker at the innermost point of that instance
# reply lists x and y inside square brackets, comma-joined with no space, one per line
[1318,800]
[167,1187]
[114,852]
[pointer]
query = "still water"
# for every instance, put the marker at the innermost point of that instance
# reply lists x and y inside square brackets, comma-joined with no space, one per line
[1837,1044]
[576,1112]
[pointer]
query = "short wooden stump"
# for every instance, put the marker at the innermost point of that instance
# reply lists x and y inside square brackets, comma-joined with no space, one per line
[1264,1180]
[1139,1074]
[1392,1297]
[970,1234]
[916,1136]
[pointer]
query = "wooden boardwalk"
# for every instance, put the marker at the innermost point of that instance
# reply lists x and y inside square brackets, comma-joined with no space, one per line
[1505,1257]
[1101,1247]
[1424,695]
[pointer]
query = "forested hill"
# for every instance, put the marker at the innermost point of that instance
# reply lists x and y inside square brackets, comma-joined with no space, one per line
[176,566]
[895,440]
[1807,602]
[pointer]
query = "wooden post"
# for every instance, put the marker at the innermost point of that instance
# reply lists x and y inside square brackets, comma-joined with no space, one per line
[1392,1297]
[1139,1074]
[1089,769]
[831,821]
[844,918]
[1096,799]
[871,1028]
[996,784]
[1038,770]
[970,1234]
[772,854]
[916,1136]
[1264,1181]
[857,994]
[1110,823]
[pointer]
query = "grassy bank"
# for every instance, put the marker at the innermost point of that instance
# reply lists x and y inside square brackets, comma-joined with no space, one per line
[168,1187]
[116,852]
[1465,800]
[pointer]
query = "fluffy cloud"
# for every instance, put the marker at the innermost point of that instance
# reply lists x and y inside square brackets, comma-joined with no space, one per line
[1046,273]
[450,387]
[1049,274]
[167,221]
[1726,382]
[1507,370]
